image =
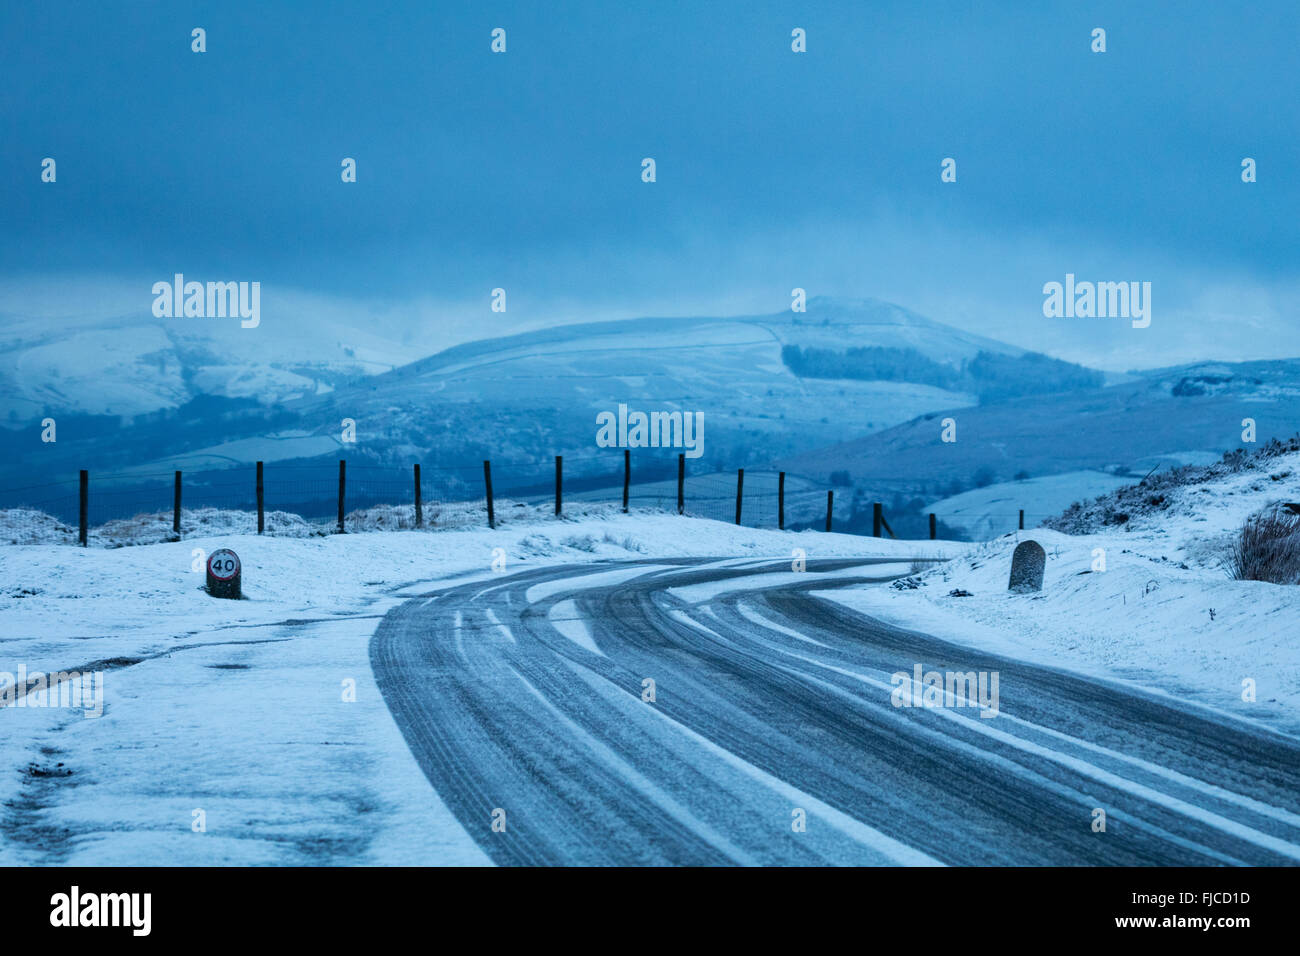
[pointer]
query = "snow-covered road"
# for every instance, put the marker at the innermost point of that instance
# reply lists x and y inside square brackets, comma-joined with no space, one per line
[523,699]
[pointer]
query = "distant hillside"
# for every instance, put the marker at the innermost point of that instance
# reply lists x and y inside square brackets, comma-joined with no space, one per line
[136,364]
[520,397]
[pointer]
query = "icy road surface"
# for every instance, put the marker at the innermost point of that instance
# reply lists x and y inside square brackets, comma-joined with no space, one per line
[522,701]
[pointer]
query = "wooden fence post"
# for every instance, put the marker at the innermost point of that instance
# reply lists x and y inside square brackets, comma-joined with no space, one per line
[343,477]
[681,484]
[176,506]
[932,527]
[487,481]
[830,507]
[419,501]
[559,466]
[261,501]
[627,475]
[740,487]
[85,501]
[1022,519]
[875,519]
[780,500]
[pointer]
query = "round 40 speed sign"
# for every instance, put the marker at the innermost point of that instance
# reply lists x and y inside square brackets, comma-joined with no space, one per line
[224,574]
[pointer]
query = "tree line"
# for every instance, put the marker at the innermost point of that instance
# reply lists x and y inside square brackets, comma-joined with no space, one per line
[992,376]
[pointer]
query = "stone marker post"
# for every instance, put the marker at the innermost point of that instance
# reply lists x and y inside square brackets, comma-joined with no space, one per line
[1027,564]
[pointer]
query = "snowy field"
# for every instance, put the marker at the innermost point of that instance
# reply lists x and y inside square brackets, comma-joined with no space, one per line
[236,708]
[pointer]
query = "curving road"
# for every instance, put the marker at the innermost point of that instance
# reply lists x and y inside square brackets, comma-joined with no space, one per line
[524,694]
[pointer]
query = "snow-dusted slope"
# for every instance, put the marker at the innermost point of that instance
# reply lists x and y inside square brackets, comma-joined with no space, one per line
[130,364]
[1196,501]
[1143,595]
[498,394]
[133,363]
[828,323]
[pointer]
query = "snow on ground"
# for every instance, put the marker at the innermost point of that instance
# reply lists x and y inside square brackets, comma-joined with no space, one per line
[237,708]
[1196,507]
[1163,613]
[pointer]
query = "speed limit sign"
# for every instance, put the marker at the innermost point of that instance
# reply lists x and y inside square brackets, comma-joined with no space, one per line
[223,574]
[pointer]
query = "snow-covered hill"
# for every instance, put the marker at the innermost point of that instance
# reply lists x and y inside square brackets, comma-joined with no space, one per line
[528,396]
[519,399]
[132,364]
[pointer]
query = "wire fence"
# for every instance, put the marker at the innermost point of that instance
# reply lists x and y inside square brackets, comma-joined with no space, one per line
[356,495]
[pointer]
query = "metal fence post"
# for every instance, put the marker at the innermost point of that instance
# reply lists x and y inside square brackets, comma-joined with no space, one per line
[740,487]
[780,500]
[419,502]
[85,502]
[343,477]
[681,484]
[627,476]
[176,506]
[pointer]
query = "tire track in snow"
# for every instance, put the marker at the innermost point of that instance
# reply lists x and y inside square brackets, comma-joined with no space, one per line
[752,719]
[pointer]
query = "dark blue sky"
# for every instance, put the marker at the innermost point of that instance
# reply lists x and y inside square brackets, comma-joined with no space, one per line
[774,169]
